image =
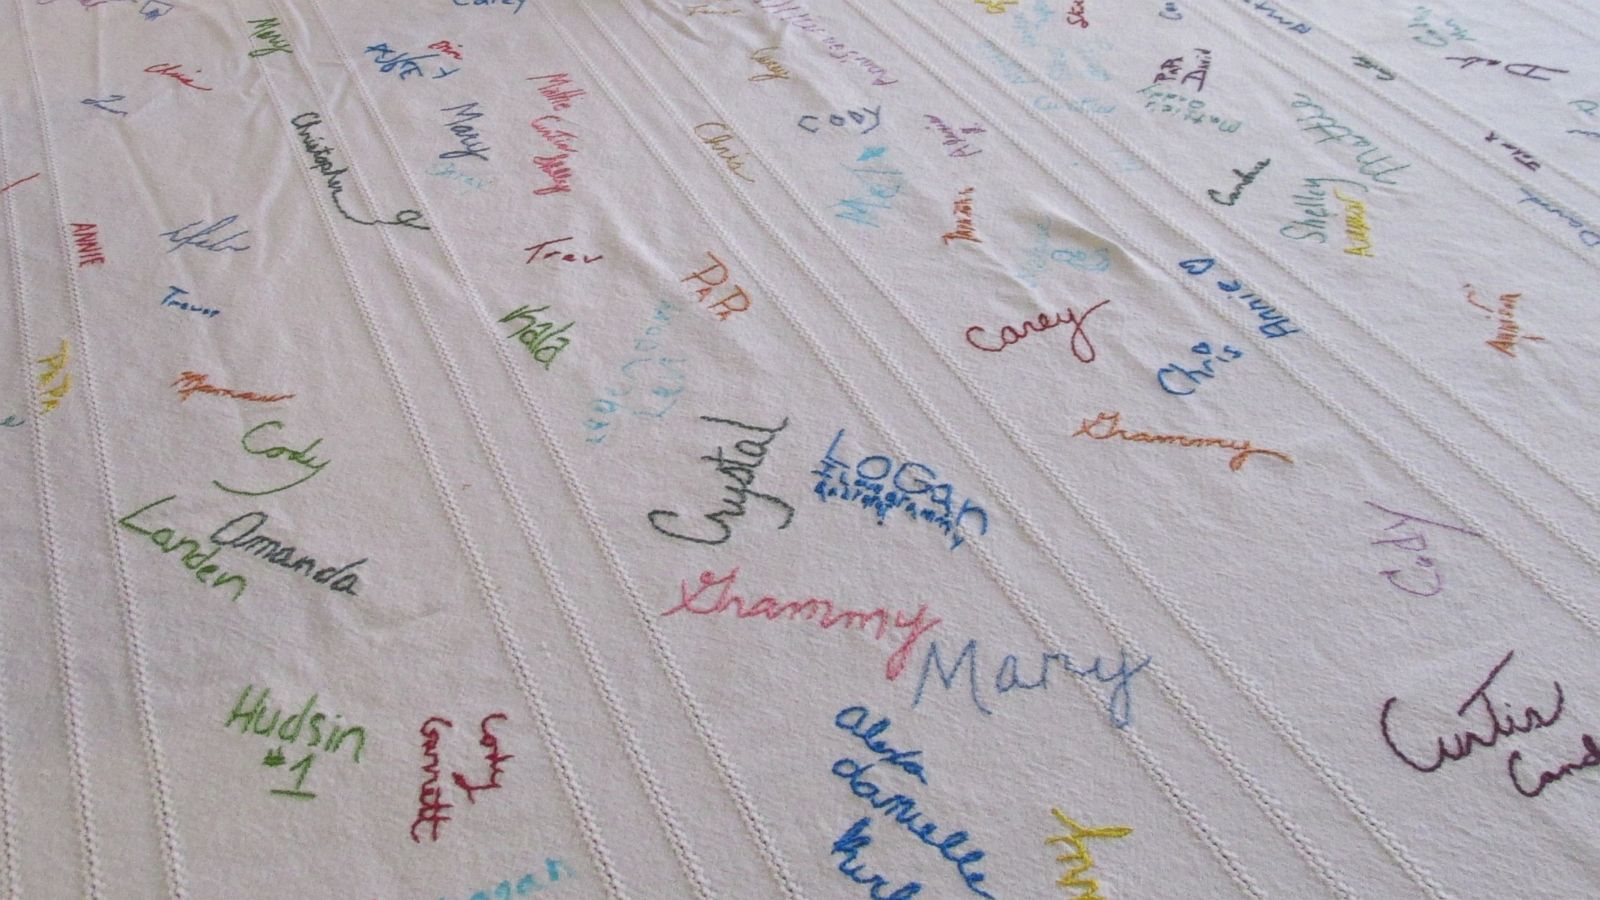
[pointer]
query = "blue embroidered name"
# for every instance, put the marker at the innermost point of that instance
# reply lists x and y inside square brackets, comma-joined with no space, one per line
[1119,705]
[903,809]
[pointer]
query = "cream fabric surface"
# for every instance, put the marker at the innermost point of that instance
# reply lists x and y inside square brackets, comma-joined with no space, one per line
[799,448]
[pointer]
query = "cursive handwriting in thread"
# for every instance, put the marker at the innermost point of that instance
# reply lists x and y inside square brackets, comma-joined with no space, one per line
[1466,741]
[1081,346]
[300,457]
[741,474]
[322,160]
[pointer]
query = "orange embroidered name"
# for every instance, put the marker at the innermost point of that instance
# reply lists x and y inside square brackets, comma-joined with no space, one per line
[705,275]
[1113,428]
[195,381]
[87,238]
[1507,333]
[1080,854]
[963,211]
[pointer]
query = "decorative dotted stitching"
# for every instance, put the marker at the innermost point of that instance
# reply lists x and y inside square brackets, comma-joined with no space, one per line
[1240,681]
[1522,565]
[1499,165]
[8,825]
[1026,609]
[487,587]
[531,535]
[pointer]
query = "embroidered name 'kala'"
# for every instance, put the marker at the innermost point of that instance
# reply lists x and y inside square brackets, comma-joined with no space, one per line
[1113,428]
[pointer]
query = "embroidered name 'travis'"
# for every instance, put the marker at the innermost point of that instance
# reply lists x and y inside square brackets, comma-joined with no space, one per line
[807,609]
[1119,705]
[1113,428]
[741,474]
[1079,854]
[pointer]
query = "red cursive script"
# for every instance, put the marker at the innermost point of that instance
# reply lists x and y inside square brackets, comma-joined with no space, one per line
[431,804]
[1082,348]
[172,70]
[495,758]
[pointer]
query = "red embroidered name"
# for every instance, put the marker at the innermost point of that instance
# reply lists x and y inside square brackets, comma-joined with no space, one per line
[87,238]
[1082,348]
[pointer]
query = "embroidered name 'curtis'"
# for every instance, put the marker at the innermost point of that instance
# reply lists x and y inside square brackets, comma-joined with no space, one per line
[1113,428]
[916,626]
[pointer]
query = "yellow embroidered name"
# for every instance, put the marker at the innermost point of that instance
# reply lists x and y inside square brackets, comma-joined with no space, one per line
[1080,854]
[1355,225]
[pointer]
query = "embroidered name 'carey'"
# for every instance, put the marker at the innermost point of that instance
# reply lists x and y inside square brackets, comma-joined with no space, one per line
[1082,347]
